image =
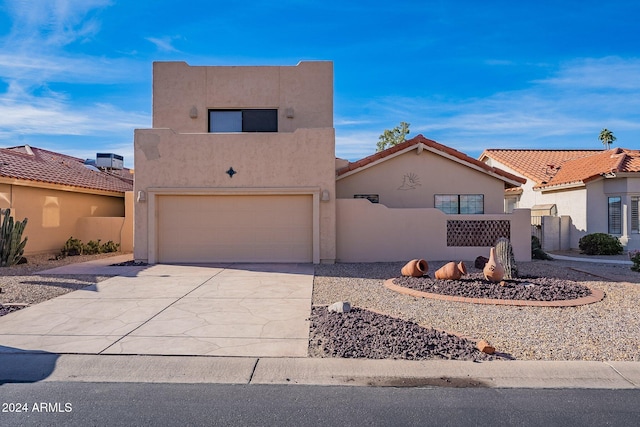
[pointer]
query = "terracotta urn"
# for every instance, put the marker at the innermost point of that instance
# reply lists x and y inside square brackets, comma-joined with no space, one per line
[415,268]
[493,270]
[451,271]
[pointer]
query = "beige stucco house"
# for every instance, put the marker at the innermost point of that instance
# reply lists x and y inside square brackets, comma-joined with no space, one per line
[422,198]
[577,192]
[62,197]
[240,167]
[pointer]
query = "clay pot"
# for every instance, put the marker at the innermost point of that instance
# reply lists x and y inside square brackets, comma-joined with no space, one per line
[451,271]
[493,270]
[415,268]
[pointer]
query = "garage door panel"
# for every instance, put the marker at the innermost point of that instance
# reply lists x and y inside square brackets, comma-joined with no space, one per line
[235,228]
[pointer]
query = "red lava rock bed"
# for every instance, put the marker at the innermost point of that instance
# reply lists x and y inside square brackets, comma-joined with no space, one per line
[474,285]
[365,334]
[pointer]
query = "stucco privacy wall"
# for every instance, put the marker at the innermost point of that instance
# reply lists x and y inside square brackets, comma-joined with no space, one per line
[53,215]
[368,232]
[171,163]
[411,180]
[117,229]
[303,94]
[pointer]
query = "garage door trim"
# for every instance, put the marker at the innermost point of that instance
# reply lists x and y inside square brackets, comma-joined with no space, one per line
[153,193]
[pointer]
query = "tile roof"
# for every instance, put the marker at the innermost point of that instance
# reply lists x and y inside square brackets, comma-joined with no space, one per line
[537,165]
[550,168]
[459,156]
[38,165]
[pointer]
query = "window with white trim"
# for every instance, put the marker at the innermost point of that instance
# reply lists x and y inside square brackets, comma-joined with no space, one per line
[635,227]
[615,214]
[466,204]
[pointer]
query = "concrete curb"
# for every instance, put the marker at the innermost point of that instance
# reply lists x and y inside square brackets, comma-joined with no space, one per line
[590,260]
[33,367]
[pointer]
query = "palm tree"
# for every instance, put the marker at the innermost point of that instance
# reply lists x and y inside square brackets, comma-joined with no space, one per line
[607,137]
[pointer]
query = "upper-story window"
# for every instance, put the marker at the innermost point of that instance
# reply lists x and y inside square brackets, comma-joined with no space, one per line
[257,120]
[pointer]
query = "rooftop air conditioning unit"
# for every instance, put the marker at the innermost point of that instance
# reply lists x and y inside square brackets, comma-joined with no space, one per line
[109,161]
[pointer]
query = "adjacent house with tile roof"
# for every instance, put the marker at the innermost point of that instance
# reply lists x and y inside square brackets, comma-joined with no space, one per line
[426,198]
[240,167]
[422,173]
[597,189]
[63,197]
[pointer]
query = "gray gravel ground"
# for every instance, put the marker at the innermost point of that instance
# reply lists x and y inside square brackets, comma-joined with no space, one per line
[22,284]
[607,330]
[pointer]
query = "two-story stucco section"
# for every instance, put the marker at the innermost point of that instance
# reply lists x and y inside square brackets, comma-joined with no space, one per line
[258,193]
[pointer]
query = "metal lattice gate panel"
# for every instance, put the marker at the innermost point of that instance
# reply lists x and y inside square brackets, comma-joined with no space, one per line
[477,233]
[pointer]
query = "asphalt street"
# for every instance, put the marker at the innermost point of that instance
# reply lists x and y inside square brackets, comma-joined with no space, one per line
[111,404]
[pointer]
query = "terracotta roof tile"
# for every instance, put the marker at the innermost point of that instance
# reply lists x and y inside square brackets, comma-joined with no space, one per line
[537,165]
[550,168]
[35,164]
[434,145]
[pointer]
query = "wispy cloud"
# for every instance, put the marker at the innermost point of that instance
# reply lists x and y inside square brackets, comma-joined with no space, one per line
[55,115]
[598,73]
[53,22]
[164,44]
[569,107]
[35,56]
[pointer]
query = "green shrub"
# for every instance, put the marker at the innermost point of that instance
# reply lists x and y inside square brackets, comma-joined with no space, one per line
[634,256]
[536,249]
[92,248]
[600,244]
[110,246]
[73,247]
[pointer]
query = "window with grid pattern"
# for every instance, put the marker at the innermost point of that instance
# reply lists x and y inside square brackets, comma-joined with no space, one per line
[615,215]
[635,228]
[468,204]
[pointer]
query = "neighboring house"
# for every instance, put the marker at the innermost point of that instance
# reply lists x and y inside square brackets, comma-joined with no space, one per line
[594,191]
[62,197]
[240,167]
[421,173]
[426,198]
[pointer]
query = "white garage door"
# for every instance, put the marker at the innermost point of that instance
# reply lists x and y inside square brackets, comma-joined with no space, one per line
[270,228]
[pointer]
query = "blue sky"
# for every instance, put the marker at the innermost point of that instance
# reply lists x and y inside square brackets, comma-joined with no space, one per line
[75,75]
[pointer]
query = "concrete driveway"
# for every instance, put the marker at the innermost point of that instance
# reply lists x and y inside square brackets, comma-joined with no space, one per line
[256,310]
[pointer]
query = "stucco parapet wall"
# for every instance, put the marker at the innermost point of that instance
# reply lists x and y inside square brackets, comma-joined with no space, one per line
[183,94]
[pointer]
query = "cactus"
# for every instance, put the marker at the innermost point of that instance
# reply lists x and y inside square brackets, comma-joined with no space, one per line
[11,248]
[504,253]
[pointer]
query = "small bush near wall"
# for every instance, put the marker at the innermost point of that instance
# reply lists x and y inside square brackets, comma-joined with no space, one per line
[600,244]
[536,249]
[634,256]
[74,247]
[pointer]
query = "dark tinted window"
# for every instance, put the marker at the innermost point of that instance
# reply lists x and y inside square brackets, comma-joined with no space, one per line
[259,120]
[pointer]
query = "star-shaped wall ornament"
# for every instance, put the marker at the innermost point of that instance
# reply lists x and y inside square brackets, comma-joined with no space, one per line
[231,172]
